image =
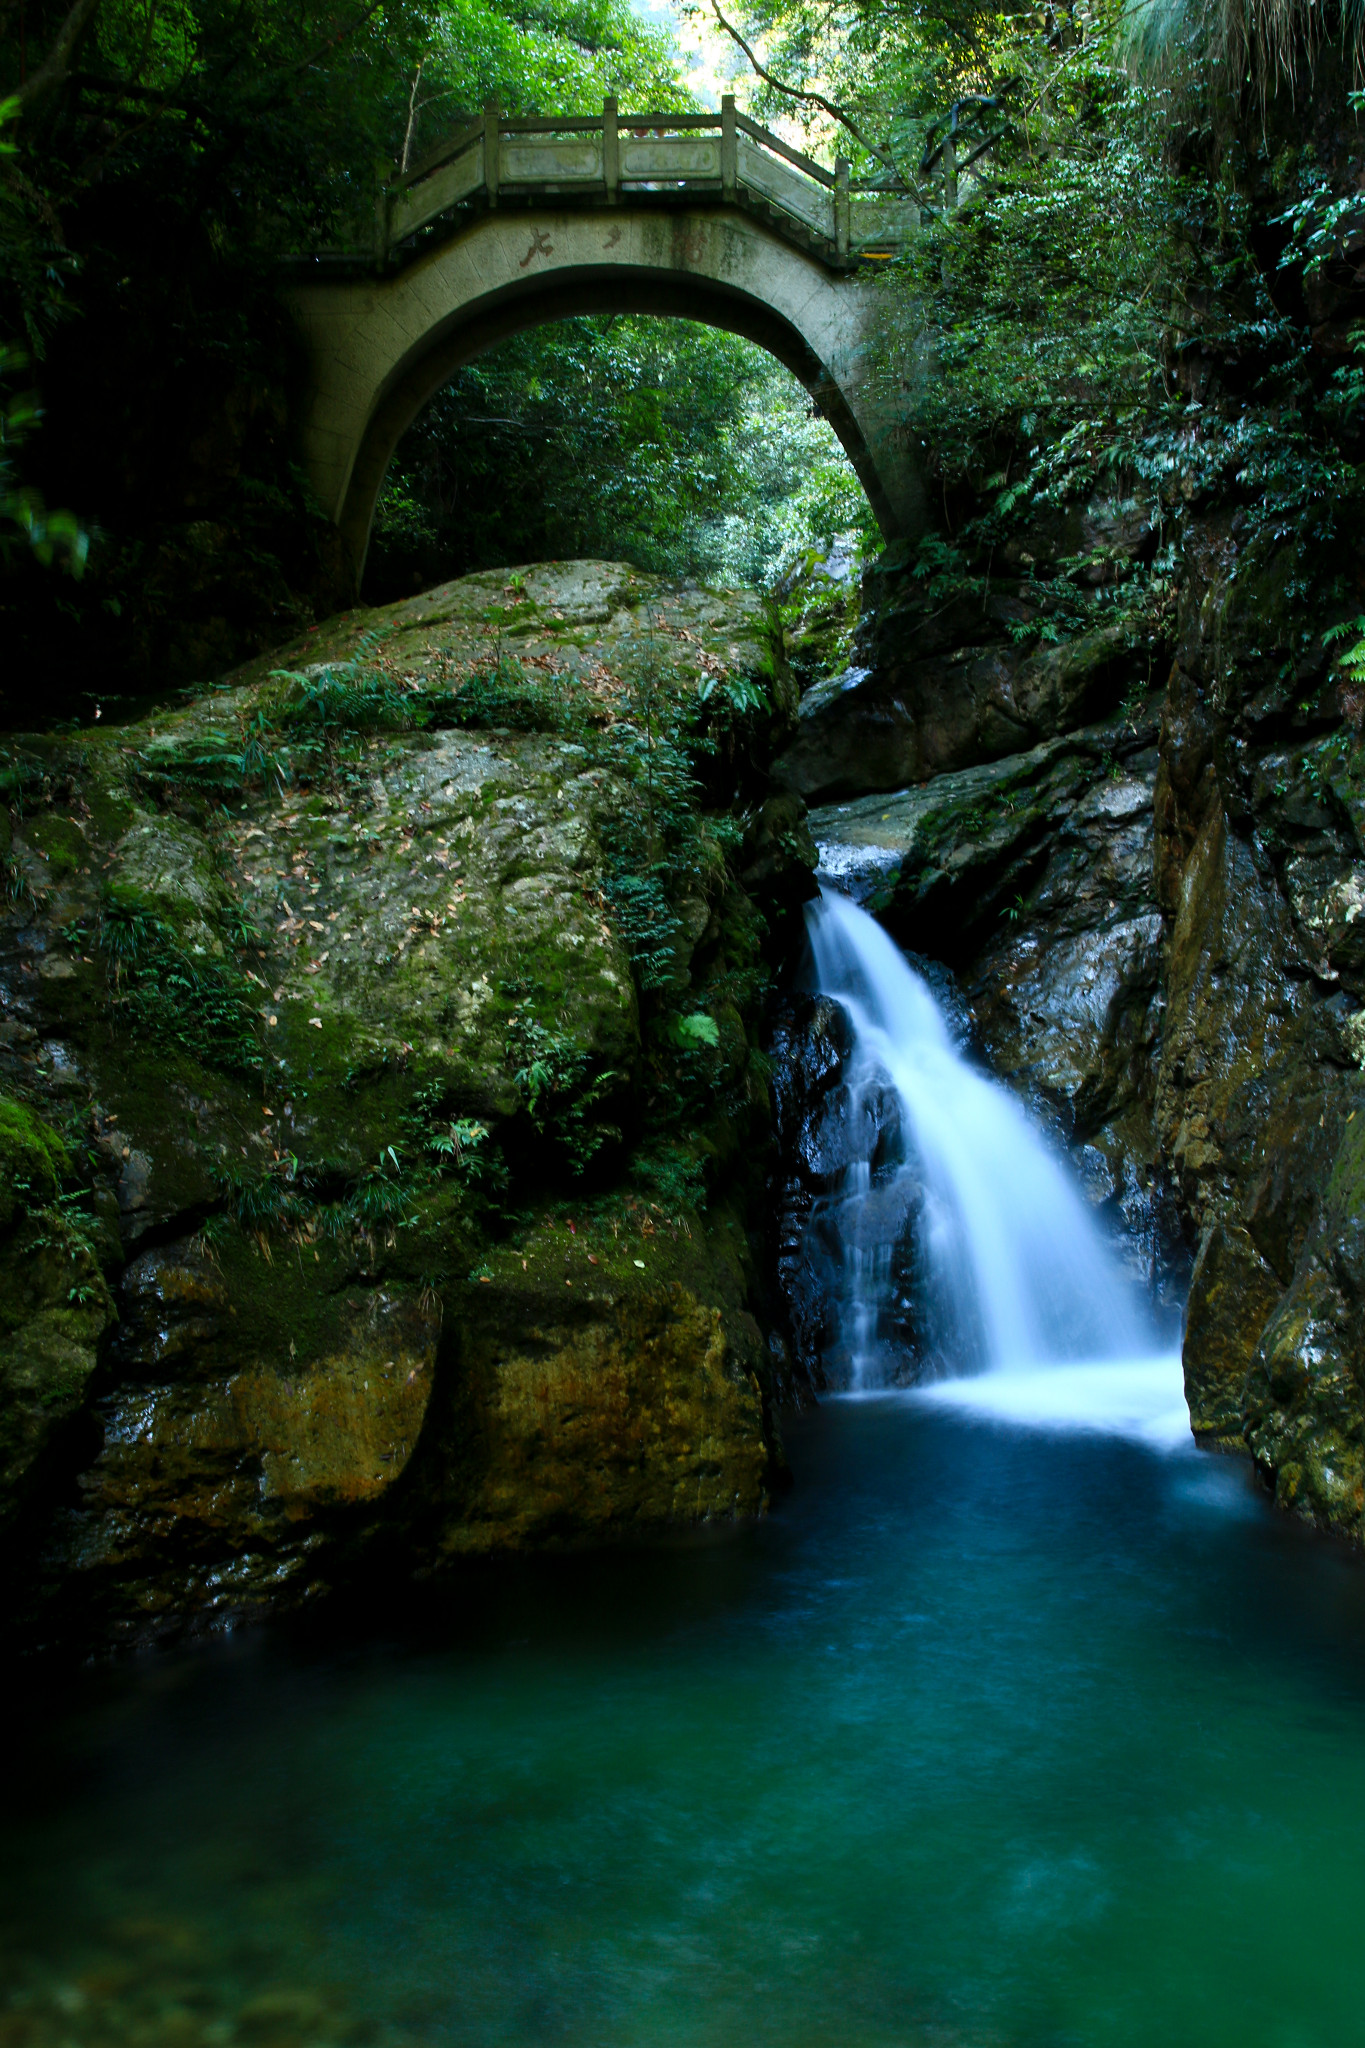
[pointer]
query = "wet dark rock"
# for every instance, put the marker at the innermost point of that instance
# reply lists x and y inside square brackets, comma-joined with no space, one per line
[809,1044]
[947,862]
[832,1218]
[931,688]
[1232,1294]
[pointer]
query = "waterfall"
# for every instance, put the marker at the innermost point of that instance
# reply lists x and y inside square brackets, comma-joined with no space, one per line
[950,1194]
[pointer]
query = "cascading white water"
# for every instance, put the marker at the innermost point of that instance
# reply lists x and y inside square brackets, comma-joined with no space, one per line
[1015,1275]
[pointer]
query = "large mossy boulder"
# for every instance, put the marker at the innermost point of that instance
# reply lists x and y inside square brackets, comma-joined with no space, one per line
[401,998]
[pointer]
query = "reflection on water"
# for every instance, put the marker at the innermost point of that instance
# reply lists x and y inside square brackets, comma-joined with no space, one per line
[992,1735]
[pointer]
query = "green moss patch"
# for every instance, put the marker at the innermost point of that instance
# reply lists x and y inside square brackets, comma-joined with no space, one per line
[33,1159]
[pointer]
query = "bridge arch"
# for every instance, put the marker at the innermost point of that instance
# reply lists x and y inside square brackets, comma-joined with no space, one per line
[380,346]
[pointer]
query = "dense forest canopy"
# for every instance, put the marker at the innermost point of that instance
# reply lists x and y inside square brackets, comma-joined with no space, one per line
[682,449]
[1135,276]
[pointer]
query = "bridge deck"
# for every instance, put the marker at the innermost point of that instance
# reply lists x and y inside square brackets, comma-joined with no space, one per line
[664,160]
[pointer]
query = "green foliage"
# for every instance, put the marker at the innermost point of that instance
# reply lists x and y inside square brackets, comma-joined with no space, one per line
[1346,392]
[141,222]
[643,915]
[223,761]
[1078,282]
[696,1029]
[675,447]
[21,776]
[1071,301]
[1257,46]
[652,841]
[303,1199]
[260,1201]
[457,1146]
[319,728]
[25,520]
[1352,662]
[505,695]
[560,1087]
[382,1198]
[318,731]
[165,992]
[345,697]
[1049,293]
[463,1142]
[739,694]
[314,731]
[676,1173]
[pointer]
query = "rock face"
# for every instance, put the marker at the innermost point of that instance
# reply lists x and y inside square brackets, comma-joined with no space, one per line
[1157,919]
[1258,863]
[809,1045]
[933,684]
[54,1303]
[384,1132]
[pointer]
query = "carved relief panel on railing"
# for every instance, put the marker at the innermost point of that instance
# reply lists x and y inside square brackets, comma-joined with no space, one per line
[669,157]
[528,160]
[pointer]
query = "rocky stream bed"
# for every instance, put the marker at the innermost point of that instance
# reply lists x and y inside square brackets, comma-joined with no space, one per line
[408,1131]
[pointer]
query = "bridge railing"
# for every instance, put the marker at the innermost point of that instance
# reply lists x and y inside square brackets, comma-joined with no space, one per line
[652,158]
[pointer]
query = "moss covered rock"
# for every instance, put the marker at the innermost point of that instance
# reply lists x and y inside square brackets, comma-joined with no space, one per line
[615,1384]
[32,1160]
[55,1305]
[340,974]
[1304,1400]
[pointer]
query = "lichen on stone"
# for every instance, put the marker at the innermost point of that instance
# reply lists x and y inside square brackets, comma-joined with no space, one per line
[359,979]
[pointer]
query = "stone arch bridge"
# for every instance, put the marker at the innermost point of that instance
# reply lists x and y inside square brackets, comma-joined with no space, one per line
[512,223]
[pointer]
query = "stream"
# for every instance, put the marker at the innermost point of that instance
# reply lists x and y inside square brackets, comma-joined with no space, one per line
[1019,1723]
[991,1734]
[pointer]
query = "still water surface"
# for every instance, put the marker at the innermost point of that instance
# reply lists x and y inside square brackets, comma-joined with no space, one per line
[988,1736]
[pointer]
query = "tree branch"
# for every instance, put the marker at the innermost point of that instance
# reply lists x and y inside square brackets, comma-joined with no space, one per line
[813,99]
[412,118]
[54,68]
[128,89]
